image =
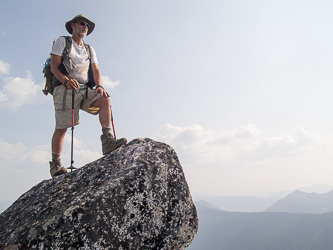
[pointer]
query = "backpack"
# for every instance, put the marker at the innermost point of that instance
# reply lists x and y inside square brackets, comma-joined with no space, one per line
[51,81]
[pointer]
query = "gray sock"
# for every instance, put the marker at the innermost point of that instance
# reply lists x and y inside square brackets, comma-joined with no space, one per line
[106,130]
[56,157]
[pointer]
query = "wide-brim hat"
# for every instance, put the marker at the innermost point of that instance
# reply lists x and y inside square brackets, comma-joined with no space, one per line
[80,17]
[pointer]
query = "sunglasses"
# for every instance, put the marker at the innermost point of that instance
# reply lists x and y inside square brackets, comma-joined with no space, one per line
[85,24]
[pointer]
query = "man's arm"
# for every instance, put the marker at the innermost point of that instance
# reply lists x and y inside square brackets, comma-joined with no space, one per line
[97,74]
[98,80]
[69,83]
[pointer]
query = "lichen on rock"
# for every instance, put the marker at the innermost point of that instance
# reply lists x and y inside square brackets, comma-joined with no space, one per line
[136,197]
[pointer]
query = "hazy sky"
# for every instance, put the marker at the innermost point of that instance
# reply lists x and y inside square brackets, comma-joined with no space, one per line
[241,89]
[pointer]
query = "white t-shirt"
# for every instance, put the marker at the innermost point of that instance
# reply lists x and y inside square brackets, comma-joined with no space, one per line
[80,59]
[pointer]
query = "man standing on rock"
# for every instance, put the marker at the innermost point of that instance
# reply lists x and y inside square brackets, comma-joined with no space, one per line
[94,101]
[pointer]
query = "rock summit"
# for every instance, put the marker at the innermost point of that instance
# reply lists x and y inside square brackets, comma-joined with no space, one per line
[136,197]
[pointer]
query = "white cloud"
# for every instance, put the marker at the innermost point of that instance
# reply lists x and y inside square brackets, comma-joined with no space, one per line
[196,134]
[243,132]
[107,83]
[4,68]
[21,91]
[199,147]
[230,149]
[185,135]
[76,142]
[86,156]
[288,145]
[30,165]
[19,156]
[81,152]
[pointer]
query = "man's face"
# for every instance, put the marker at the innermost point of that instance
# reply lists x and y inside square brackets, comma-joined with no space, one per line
[80,27]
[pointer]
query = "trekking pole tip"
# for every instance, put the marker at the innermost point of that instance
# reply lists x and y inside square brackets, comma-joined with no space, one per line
[71,168]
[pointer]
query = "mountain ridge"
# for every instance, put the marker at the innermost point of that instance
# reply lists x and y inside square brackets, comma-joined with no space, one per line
[262,230]
[302,202]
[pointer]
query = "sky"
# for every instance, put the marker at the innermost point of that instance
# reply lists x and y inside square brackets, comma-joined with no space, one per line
[241,89]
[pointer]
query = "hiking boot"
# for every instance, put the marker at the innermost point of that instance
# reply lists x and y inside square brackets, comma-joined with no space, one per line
[109,143]
[56,169]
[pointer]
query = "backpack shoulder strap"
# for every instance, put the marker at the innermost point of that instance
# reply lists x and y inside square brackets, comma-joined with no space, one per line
[68,45]
[87,46]
[65,53]
[91,82]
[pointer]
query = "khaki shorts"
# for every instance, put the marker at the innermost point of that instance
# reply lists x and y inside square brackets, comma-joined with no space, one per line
[62,98]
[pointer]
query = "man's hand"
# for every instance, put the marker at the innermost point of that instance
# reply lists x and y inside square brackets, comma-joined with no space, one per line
[101,90]
[72,84]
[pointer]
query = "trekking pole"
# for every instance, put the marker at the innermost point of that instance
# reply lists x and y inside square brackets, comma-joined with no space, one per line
[72,161]
[114,132]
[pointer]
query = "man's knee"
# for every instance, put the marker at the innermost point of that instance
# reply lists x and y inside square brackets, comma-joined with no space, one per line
[60,132]
[105,100]
[101,102]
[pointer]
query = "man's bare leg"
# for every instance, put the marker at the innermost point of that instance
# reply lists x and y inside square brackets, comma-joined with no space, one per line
[103,103]
[58,140]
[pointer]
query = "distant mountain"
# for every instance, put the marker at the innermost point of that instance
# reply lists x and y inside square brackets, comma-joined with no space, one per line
[205,205]
[316,188]
[239,203]
[301,202]
[262,231]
